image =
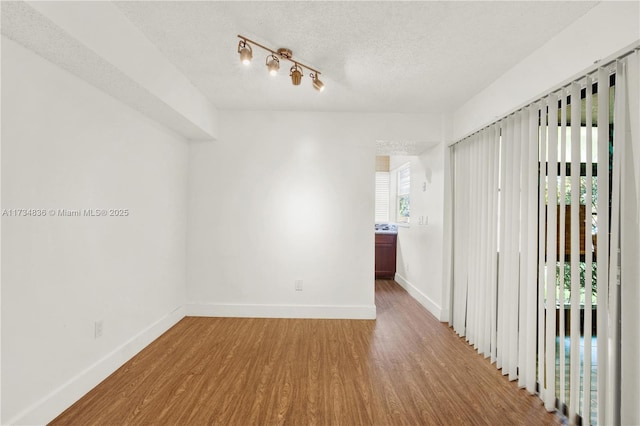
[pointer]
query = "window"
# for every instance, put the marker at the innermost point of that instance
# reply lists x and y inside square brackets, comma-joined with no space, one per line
[382,197]
[404,190]
[576,267]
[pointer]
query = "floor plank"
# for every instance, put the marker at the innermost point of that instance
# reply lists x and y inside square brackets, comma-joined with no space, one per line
[405,368]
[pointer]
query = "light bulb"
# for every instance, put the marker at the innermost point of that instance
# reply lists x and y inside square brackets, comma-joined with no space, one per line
[245,56]
[317,84]
[245,52]
[273,65]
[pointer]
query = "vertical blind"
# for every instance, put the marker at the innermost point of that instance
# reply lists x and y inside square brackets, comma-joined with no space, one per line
[536,244]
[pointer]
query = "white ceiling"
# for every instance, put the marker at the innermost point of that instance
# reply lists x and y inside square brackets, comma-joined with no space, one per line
[425,57]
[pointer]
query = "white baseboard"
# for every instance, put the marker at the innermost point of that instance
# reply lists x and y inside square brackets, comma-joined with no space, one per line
[281,311]
[61,398]
[422,298]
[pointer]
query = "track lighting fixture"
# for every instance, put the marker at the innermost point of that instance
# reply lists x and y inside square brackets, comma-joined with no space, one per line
[273,62]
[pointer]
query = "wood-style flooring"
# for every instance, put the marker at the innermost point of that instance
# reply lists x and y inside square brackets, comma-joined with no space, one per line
[405,368]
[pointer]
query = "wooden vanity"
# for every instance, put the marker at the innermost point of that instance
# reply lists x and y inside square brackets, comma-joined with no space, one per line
[386,255]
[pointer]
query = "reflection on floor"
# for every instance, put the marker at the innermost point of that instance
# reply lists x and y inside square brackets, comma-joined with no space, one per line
[567,364]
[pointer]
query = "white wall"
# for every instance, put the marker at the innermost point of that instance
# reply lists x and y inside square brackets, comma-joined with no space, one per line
[286,196]
[602,31]
[66,145]
[419,252]
[102,27]
[98,43]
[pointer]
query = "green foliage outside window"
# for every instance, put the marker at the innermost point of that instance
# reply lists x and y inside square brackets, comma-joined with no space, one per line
[566,278]
[403,206]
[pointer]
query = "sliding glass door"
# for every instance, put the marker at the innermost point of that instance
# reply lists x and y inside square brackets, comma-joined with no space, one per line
[536,243]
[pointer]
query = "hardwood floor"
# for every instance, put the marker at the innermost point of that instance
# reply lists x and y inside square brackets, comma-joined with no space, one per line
[405,368]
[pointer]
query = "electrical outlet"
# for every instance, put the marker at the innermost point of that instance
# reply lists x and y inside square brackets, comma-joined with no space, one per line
[97,329]
[298,285]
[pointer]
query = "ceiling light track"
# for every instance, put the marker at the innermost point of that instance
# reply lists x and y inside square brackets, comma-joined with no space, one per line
[272,62]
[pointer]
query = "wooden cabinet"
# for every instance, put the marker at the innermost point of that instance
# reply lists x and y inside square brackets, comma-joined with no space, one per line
[386,255]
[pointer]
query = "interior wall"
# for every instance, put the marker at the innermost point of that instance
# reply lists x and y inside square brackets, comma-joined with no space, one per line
[419,255]
[602,31]
[287,196]
[67,145]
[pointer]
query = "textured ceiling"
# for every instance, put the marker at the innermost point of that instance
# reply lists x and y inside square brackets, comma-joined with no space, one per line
[374,56]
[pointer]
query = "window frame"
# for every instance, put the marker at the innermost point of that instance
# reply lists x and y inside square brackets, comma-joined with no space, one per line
[403,194]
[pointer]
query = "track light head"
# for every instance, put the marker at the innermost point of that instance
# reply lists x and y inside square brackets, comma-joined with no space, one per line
[273,65]
[244,49]
[296,75]
[317,84]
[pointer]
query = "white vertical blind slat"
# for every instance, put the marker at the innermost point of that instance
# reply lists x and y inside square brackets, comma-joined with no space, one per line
[603,238]
[532,257]
[500,343]
[483,338]
[629,289]
[471,253]
[562,241]
[542,238]
[503,255]
[477,289]
[464,275]
[588,251]
[505,247]
[575,250]
[552,196]
[474,280]
[474,286]
[457,303]
[513,211]
[462,209]
[491,246]
[494,138]
[613,361]
[523,311]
